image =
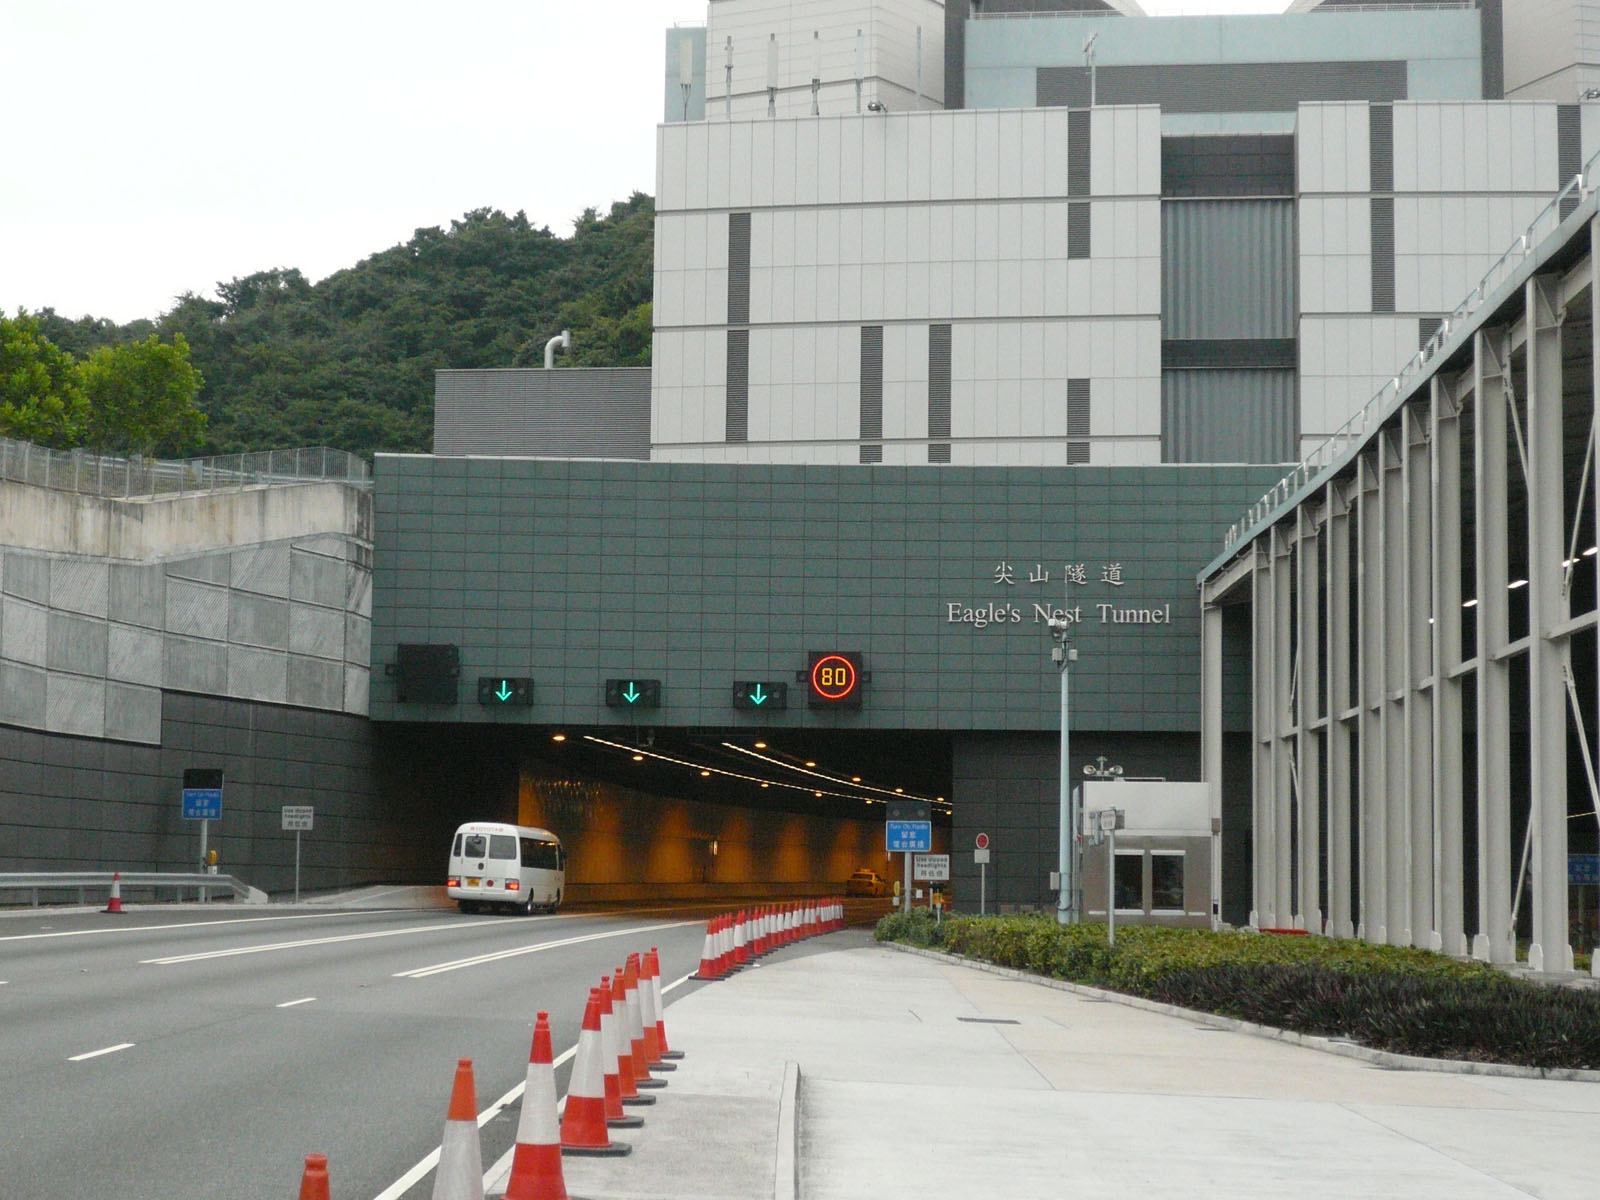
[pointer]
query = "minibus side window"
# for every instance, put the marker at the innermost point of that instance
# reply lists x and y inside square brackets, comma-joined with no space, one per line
[477,846]
[457,850]
[542,855]
[503,845]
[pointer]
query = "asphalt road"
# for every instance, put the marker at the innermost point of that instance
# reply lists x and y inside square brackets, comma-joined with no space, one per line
[188,1053]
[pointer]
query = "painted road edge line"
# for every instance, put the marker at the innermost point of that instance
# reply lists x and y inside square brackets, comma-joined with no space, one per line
[98,1053]
[292,1003]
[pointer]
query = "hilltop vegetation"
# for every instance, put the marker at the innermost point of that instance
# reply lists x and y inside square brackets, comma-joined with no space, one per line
[349,361]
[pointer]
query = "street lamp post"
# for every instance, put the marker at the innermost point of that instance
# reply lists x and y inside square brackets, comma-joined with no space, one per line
[1064,654]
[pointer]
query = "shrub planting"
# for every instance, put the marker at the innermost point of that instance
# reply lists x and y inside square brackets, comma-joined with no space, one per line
[1389,997]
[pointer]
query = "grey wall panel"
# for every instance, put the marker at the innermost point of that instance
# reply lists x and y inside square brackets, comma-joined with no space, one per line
[76,644]
[1569,151]
[1079,152]
[1079,240]
[587,412]
[1079,423]
[1224,87]
[1380,146]
[938,393]
[79,585]
[1237,165]
[1228,417]
[1227,269]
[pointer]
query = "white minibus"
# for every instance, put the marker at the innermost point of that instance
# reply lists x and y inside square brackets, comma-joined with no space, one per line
[514,865]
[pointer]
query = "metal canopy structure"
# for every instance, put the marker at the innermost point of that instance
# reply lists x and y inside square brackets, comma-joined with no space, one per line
[1422,648]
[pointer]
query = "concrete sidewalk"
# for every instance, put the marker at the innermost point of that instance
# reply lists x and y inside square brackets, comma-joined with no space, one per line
[926,1077]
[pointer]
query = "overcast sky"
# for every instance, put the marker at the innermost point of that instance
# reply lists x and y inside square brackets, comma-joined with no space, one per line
[154,147]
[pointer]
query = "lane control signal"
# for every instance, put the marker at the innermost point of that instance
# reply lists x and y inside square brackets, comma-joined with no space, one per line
[633,693]
[504,691]
[760,696]
[834,679]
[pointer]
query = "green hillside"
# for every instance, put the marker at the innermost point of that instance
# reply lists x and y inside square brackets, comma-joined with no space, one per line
[349,361]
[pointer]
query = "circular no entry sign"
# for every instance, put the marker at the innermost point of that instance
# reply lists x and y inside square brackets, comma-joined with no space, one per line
[983,841]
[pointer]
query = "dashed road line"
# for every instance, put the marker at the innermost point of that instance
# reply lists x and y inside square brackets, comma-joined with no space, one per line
[292,1003]
[98,1053]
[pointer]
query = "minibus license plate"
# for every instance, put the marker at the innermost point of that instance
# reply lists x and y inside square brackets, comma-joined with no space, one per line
[473,881]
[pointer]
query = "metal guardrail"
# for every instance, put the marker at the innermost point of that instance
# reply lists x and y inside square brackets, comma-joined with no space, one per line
[84,882]
[1355,430]
[122,478]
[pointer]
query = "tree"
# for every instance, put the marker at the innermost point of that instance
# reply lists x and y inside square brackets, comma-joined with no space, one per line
[141,397]
[40,400]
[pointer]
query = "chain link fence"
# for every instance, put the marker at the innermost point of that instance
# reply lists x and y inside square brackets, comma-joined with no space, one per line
[125,478]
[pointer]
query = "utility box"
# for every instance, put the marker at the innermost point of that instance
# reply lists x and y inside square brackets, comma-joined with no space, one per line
[1164,851]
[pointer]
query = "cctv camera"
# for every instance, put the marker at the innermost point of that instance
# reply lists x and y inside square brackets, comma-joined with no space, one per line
[876,106]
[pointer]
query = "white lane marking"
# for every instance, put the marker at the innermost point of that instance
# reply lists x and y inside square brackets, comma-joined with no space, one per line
[29,937]
[402,1185]
[233,951]
[98,1053]
[478,960]
[292,1003]
[437,927]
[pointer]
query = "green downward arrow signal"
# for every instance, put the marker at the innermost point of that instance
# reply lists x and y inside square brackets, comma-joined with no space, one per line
[757,695]
[504,691]
[632,694]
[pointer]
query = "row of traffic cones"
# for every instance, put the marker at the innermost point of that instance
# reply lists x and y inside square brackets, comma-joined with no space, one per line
[733,939]
[622,1041]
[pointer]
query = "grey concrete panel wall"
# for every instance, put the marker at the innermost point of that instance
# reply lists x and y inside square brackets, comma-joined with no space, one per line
[196,609]
[1225,87]
[257,674]
[28,578]
[257,620]
[263,569]
[76,644]
[80,586]
[76,803]
[137,594]
[1229,416]
[23,632]
[590,412]
[133,654]
[21,694]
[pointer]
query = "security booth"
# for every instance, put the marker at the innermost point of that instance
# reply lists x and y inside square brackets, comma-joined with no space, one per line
[1159,851]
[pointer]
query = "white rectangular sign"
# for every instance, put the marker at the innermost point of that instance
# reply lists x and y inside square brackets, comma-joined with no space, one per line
[297,816]
[980,855]
[935,868]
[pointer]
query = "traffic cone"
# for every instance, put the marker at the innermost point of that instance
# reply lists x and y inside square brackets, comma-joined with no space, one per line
[654,961]
[741,939]
[583,1123]
[647,1013]
[459,1175]
[626,1077]
[536,1157]
[635,1015]
[314,1182]
[114,905]
[615,1116]
[708,954]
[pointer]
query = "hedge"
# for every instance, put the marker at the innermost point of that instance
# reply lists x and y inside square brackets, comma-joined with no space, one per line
[1389,997]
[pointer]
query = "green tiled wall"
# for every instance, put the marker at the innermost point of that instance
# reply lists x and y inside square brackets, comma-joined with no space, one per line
[701,574]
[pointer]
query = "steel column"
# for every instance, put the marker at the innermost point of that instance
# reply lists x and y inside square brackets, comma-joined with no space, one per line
[1338,757]
[1547,698]
[1493,940]
[1370,679]
[1421,861]
[1447,708]
[1308,700]
[1261,838]
[1283,788]
[1395,828]
[1211,739]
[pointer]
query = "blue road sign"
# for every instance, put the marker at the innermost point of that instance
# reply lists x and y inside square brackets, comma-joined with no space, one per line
[202,804]
[1583,869]
[914,836]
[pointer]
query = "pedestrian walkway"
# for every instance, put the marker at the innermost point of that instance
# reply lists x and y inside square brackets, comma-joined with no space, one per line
[919,1076]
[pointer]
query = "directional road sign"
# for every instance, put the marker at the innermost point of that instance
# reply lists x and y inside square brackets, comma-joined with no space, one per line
[908,835]
[505,691]
[202,794]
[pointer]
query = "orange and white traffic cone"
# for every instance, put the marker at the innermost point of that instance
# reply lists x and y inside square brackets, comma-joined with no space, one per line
[114,905]
[635,1017]
[314,1182]
[640,964]
[609,1045]
[459,1175]
[536,1157]
[653,960]
[626,1077]
[583,1123]
[708,955]
[741,939]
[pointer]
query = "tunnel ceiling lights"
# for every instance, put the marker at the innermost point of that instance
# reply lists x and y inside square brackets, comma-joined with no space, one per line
[854,780]
[639,754]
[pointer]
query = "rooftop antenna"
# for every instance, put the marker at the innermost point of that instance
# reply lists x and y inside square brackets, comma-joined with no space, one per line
[772,75]
[1088,57]
[727,86]
[685,70]
[816,70]
[861,62]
